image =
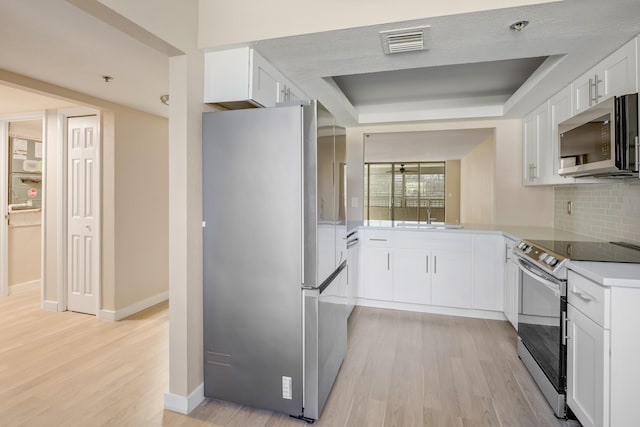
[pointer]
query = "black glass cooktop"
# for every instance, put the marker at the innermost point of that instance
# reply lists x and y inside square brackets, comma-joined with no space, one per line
[592,251]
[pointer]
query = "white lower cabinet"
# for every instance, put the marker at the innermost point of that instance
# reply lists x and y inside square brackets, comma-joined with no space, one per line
[511,285]
[445,269]
[587,369]
[412,276]
[603,350]
[451,284]
[489,256]
[375,273]
[352,276]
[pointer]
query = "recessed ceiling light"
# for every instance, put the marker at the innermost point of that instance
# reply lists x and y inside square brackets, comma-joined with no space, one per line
[519,26]
[107,79]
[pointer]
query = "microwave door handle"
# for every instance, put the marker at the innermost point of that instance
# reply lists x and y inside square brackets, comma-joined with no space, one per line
[620,136]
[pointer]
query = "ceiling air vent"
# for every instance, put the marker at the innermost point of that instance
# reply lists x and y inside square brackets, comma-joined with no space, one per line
[405,39]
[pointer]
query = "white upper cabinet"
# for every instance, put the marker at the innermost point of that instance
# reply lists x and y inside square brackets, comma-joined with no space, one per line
[559,111]
[613,76]
[535,135]
[242,78]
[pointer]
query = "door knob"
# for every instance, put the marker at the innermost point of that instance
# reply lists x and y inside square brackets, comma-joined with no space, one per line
[87,227]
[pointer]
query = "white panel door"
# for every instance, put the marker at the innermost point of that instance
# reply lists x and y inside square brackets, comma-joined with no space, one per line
[82,214]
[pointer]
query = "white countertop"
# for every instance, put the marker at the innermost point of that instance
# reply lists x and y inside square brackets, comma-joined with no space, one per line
[513,232]
[608,273]
[604,273]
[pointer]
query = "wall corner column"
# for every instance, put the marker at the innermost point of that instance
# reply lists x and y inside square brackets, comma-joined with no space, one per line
[185,233]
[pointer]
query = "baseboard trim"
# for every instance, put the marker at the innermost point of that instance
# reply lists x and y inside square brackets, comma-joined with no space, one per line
[50,305]
[184,404]
[133,308]
[24,287]
[434,309]
[107,315]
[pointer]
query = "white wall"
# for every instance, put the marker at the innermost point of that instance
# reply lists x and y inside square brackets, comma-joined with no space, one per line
[515,204]
[141,207]
[242,21]
[477,184]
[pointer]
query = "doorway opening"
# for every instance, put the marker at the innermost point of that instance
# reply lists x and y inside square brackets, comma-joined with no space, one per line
[22,194]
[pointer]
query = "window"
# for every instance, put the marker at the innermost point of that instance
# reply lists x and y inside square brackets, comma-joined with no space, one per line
[413,192]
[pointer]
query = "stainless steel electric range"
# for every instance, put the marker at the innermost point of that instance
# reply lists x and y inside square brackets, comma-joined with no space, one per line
[542,343]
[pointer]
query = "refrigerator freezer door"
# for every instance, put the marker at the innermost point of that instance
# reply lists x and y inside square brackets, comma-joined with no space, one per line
[325,339]
[252,206]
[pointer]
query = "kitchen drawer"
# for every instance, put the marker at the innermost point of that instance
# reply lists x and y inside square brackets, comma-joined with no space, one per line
[381,238]
[593,300]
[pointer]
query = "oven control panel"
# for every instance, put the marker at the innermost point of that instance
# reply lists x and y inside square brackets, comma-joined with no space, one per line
[542,257]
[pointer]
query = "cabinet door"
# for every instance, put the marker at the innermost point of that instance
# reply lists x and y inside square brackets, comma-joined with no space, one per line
[511,292]
[376,274]
[411,276]
[489,256]
[559,111]
[536,134]
[352,277]
[587,369]
[617,73]
[582,92]
[265,82]
[451,278]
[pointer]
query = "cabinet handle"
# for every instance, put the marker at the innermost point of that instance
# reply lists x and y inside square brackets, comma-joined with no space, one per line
[597,85]
[388,261]
[590,92]
[435,264]
[427,264]
[378,240]
[582,296]
[532,173]
[506,253]
[563,323]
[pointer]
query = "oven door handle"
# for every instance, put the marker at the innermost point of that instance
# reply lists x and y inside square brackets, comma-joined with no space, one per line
[525,268]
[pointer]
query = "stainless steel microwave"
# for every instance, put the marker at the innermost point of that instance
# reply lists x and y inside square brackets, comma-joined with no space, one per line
[601,141]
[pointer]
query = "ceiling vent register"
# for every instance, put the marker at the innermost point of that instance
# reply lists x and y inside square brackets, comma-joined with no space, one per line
[405,39]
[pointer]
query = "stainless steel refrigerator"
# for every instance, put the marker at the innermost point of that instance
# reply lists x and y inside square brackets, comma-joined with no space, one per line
[275,314]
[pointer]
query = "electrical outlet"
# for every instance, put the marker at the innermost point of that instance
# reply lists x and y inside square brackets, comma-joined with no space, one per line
[286,388]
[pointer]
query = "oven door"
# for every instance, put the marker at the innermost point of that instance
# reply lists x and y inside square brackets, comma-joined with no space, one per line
[540,319]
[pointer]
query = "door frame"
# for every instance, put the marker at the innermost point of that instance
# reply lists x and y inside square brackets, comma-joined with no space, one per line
[61,258]
[4,195]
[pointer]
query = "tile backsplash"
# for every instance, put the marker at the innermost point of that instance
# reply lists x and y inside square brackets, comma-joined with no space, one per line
[609,211]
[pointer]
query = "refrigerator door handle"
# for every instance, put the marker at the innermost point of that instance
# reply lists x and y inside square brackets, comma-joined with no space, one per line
[331,277]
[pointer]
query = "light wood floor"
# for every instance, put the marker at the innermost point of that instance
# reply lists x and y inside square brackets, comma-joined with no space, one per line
[402,369]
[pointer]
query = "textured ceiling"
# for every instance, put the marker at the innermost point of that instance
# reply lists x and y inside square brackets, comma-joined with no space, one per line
[54,41]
